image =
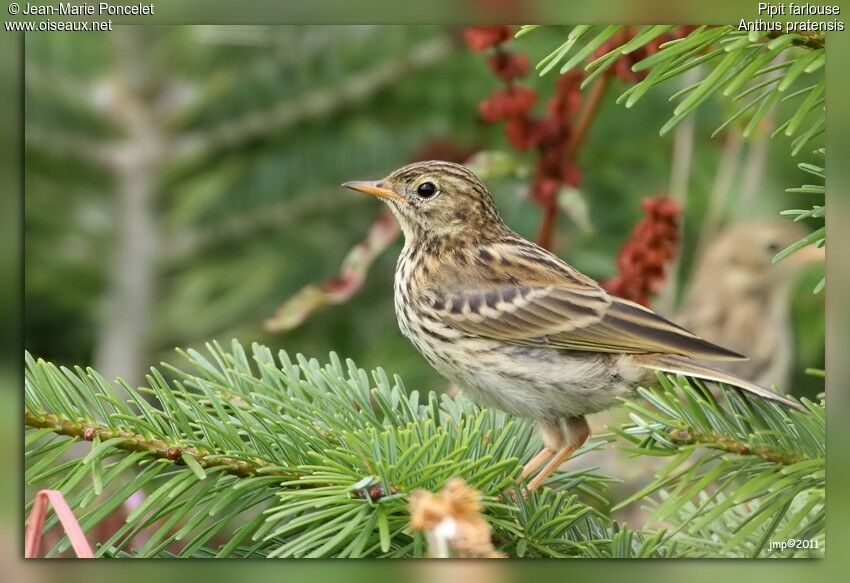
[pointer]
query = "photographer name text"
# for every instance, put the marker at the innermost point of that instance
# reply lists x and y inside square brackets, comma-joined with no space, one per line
[85,9]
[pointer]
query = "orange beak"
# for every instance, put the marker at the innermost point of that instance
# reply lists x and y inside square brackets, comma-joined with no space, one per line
[375,188]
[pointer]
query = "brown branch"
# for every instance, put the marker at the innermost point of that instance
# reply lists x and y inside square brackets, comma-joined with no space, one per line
[547,226]
[586,116]
[157,448]
[174,452]
[691,437]
[313,104]
[352,274]
[579,132]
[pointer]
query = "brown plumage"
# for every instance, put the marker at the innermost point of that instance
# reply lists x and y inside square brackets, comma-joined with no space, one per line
[513,324]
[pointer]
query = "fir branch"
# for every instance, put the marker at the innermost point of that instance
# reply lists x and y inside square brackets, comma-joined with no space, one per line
[739,59]
[816,239]
[157,448]
[803,38]
[259,456]
[318,460]
[741,471]
[689,436]
[314,104]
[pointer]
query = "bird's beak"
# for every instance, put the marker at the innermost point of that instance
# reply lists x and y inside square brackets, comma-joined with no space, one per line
[374,188]
[809,254]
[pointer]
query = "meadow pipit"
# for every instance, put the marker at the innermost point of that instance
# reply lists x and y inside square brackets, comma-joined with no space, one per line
[514,325]
[739,297]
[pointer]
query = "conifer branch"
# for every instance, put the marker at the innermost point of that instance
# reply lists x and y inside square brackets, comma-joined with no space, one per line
[157,448]
[74,146]
[688,436]
[321,462]
[314,104]
[742,62]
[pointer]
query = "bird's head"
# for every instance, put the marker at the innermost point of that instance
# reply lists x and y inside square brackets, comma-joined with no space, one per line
[744,254]
[435,198]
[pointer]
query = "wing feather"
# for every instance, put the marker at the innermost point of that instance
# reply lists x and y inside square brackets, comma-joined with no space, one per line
[533,298]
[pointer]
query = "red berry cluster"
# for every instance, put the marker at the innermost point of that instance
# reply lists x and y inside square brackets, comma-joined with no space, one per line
[481,38]
[642,262]
[513,103]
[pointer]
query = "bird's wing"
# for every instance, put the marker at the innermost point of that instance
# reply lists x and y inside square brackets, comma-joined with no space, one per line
[522,294]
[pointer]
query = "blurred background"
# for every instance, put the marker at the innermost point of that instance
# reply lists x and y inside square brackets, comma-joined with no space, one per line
[182,186]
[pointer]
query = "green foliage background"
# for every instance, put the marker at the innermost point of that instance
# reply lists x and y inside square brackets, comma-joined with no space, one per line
[250,130]
[229,286]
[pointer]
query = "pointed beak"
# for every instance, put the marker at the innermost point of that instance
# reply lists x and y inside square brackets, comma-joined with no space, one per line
[374,188]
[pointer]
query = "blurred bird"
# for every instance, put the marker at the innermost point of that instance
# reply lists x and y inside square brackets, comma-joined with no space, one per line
[513,324]
[739,297]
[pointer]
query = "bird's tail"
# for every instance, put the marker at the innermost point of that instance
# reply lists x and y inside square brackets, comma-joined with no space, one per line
[678,365]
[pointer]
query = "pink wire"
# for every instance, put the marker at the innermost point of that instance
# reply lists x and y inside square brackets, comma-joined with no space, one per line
[35,524]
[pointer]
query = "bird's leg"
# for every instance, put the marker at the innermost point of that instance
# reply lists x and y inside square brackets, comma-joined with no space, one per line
[534,463]
[553,437]
[577,433]
[552,432]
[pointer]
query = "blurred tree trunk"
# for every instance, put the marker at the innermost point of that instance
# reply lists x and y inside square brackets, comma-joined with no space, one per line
[139,105]
[120,347]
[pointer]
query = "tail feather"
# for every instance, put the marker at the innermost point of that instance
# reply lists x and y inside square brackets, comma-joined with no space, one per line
[678,365]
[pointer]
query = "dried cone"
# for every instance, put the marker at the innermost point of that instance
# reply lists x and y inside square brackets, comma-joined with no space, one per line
[452,522]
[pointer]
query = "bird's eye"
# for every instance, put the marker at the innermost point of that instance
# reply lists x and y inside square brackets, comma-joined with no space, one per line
[773,248]
[426,189]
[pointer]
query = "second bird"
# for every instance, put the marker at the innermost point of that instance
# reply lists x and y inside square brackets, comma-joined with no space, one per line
[516,326]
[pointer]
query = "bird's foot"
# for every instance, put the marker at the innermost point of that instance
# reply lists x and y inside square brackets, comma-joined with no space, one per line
[528,469]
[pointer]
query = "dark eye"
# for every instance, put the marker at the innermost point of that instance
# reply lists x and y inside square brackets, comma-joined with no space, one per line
[773,248]
[426,189]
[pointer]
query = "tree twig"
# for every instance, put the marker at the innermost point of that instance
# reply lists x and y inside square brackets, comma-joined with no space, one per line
[576,139]
[586,116]
[69,88]
[691,437]
[157,448]
[77,147]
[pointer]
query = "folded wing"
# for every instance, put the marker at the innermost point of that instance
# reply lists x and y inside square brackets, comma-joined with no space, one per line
[525,295]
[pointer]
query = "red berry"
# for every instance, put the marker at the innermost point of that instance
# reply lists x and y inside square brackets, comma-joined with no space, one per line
[480,38]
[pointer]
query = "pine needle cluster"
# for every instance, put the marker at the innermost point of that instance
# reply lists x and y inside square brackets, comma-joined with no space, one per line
[248,455]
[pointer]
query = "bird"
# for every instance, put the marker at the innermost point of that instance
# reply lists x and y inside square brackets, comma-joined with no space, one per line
[739,297]
[517,327]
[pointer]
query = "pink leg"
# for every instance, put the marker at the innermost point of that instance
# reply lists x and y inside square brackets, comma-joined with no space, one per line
[534,463]
[577,433]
